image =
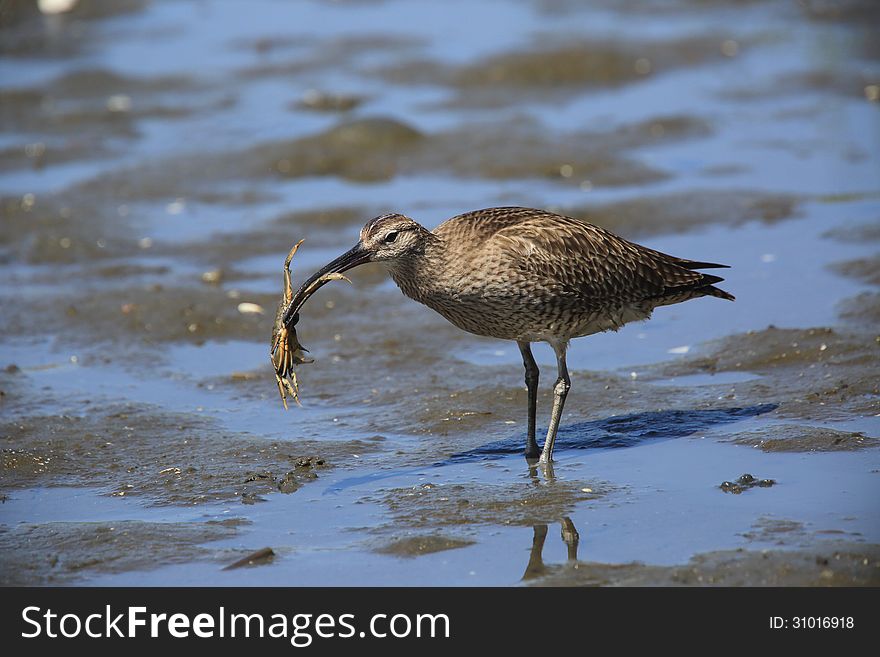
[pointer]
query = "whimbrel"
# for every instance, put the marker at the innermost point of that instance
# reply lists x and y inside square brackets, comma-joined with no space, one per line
[524,275]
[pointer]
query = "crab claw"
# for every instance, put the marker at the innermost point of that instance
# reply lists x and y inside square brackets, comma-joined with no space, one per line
[286,350]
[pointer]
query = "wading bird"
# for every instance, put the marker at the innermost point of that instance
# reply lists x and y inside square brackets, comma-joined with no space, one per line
[524,275]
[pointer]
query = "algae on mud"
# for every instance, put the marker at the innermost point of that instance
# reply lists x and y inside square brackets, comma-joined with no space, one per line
[826,564]
[685,212]
[797,438]
[61,553]
[811,374]
[414,546]
[457,505]
[165,458]
[381,148]
[548,73]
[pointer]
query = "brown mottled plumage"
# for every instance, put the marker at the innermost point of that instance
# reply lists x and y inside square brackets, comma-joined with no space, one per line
[527,275]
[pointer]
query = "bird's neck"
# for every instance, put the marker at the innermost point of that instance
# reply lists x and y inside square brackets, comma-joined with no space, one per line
[419,273]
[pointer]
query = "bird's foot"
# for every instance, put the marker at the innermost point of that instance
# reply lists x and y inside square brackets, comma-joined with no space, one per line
[532,451]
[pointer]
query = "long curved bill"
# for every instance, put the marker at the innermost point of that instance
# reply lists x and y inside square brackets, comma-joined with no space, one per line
[286,350]
[332,271]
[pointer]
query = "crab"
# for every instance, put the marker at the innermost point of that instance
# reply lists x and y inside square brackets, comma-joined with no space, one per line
[286,351]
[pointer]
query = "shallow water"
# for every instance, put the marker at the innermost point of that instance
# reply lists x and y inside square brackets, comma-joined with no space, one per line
[144,145]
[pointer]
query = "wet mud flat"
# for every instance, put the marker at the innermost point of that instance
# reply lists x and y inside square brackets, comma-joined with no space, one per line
[145,211]
[463,489]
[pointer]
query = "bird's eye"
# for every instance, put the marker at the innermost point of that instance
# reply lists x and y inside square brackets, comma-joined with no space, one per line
[390,237]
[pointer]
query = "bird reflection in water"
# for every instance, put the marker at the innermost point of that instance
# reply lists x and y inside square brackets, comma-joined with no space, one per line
[536,567]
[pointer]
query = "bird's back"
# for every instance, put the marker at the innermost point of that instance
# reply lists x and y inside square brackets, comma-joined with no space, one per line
[522,273]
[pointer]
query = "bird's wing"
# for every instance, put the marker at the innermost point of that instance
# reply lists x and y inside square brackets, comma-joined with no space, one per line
[579,259]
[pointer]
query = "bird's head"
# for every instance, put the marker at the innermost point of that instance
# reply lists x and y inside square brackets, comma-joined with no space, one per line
[392,236]
[387,238]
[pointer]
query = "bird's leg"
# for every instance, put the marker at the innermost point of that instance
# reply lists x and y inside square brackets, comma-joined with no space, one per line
[532,451]
[560,392]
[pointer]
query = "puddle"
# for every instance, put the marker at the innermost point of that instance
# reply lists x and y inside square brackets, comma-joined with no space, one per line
[640,518]
[73,505]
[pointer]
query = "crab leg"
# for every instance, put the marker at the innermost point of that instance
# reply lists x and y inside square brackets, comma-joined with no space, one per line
[286,351]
